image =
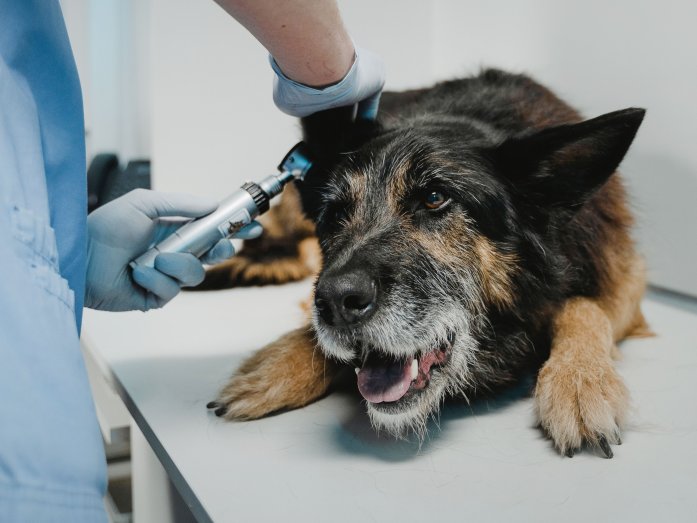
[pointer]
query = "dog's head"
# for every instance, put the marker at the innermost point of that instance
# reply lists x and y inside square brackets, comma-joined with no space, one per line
[423,228]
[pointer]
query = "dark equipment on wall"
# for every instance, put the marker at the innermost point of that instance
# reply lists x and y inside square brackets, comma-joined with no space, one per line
[106,180]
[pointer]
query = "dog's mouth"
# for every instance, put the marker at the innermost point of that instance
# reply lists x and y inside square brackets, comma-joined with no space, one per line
[385,379]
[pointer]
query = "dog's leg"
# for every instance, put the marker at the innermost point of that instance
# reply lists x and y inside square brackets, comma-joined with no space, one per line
[579,396]
[289,373]
[265,262]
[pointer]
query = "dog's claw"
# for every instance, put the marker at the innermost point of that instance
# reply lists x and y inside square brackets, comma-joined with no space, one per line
[569,453]
[212,405]
[605,447]
[220,412]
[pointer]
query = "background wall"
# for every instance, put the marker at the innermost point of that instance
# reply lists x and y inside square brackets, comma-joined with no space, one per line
[111,42]
[212,114]
[181,82]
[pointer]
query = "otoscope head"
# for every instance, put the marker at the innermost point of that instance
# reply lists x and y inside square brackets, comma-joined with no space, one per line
[297,161]
[293,167]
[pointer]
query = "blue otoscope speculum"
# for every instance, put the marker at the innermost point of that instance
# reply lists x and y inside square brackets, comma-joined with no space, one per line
[233,213]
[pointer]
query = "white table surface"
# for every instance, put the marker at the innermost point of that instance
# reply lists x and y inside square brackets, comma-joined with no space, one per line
[324,462]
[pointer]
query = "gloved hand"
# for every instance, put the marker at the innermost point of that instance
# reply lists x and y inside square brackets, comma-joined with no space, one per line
[362,85]
[124,229]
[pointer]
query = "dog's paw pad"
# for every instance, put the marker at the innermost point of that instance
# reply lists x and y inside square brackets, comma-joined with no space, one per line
[579,405]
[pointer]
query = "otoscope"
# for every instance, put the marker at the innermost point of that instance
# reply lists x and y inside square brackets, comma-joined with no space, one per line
[233,213]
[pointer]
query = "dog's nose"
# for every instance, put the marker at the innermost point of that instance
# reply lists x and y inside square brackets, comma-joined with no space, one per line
[346,298]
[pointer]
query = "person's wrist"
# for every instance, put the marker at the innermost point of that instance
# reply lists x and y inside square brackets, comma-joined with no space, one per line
[318,70]
[363,81]
[303,87]
[334,81]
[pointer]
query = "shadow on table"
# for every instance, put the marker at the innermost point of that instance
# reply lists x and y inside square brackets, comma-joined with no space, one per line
[355,435]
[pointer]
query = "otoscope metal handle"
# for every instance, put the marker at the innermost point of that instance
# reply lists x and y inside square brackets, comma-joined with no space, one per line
[198,236]
[234,212]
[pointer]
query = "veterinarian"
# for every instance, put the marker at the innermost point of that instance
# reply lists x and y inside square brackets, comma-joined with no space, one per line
[54,259]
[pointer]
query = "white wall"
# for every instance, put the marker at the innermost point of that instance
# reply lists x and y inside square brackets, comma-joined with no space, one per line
[191,88]
[214,123]
[110,41]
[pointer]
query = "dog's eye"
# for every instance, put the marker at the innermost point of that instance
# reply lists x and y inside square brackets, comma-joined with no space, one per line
[434,200]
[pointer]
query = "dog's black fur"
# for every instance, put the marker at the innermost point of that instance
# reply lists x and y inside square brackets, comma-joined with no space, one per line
[535,231]
[524,191]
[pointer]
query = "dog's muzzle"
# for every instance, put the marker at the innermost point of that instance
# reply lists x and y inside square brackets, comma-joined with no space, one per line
[346,298]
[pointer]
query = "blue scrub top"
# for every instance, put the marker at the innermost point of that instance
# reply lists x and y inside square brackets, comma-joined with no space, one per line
[34,44]
[52,465]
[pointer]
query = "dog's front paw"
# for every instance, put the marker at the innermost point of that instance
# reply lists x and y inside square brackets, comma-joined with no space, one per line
[289,373]
[581,403]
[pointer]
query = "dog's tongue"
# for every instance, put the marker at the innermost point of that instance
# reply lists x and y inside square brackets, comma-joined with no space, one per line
[381,379]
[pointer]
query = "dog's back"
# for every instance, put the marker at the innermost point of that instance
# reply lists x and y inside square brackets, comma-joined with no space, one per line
[510,102]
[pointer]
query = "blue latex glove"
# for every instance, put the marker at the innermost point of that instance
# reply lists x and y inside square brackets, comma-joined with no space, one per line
[124,229]
[362,86]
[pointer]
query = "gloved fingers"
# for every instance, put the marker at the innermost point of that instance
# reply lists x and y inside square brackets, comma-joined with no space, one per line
[157,283]
[250,231]
[220,252]
[185,268]
[156,204]
[152,301]
[368,109]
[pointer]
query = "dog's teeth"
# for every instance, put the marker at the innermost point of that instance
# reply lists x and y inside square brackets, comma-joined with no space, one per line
[414,369]
[357,369]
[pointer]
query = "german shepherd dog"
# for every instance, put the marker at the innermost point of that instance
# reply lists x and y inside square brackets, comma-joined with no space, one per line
[476,232]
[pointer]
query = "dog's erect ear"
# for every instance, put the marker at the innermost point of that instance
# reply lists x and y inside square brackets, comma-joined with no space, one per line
[328,134]
[564,165]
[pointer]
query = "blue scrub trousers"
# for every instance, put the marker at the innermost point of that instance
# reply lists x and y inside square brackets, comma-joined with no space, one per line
[52,465]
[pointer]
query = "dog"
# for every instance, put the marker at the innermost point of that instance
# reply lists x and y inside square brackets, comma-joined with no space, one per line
[475,234]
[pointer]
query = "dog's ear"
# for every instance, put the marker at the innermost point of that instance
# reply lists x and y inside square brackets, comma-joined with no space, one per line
[328,134]
[324,133]
[564,165]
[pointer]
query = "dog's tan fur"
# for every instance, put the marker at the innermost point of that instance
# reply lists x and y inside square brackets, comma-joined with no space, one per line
[288,373]
[495,270]
[579,396]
